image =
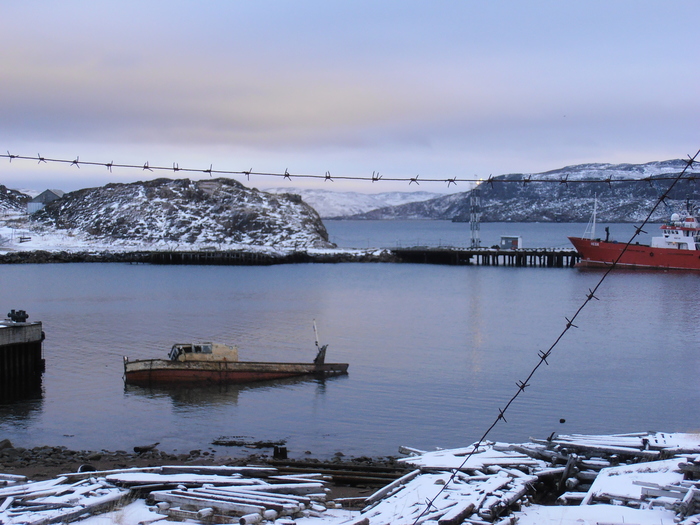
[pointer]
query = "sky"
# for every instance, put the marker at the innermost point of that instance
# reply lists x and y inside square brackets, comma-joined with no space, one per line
[433,89]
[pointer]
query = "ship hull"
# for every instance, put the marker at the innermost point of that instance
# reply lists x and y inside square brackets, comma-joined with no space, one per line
[160,371]
[601,254]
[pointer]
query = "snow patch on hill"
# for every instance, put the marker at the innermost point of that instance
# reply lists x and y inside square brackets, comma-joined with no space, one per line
[171,214]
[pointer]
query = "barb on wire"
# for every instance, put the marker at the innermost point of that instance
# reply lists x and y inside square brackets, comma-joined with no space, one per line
[40,158]
[569,324]
[375,177]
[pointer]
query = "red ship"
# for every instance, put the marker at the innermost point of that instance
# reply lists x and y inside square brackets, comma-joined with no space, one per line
[678,248]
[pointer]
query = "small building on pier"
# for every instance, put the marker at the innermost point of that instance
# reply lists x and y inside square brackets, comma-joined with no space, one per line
[21,356]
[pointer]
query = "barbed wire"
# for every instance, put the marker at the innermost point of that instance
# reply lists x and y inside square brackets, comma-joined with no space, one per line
[544,355]
[375,177]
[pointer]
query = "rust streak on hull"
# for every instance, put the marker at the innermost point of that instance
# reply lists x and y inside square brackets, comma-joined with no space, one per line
[159,371]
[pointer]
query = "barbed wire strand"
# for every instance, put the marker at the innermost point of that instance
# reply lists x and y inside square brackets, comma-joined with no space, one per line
[543,355]
[375,177]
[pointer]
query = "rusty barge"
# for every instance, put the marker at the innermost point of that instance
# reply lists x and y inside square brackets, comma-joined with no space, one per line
[212,363]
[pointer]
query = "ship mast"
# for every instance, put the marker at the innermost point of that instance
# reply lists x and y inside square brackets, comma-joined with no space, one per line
[595,212]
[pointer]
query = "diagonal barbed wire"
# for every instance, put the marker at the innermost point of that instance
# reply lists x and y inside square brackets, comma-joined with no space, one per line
[374,177]
[543,355]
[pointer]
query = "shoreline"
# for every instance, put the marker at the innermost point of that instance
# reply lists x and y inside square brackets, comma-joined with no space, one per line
[223,257]
[48,462]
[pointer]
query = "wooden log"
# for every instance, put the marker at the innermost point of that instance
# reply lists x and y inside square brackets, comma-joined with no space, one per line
[506,500]
[381,493]
[28,488]
[409,451]
[249,519]
[284,507]
[104,473]
[179,514]
[256,472]
[688,506]
[15,478]
[551,472]
[570,498]
[290,488]
[602,449]
[457,514]
[6,504]
[92,506]
[266,496]
[587,475]
[223,506]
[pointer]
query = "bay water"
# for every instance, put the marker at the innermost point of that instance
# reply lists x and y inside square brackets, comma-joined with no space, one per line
[434,351]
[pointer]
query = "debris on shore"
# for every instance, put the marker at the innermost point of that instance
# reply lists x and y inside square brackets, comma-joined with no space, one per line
[640,478]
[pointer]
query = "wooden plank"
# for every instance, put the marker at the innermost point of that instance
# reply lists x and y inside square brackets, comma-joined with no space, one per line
[381,493]
[230,507]
[457,514]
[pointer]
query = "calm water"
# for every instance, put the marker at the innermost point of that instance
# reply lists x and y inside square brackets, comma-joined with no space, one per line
[434,352]
[401,234]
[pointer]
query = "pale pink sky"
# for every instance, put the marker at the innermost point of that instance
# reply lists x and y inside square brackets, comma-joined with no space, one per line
[437,89]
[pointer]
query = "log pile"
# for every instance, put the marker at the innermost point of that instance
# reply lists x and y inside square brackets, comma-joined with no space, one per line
[56,500]
[638,478]
[205,494]
[492,482]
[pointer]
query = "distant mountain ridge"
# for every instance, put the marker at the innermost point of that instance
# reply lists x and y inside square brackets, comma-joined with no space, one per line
[337,204]
[562,200]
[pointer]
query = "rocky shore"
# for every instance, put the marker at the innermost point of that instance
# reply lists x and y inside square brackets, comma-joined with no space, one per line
[49,462]
[227,257]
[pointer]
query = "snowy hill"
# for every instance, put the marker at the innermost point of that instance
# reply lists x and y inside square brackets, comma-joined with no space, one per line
[559,201]
[184,214]
[12,200]
[335,204]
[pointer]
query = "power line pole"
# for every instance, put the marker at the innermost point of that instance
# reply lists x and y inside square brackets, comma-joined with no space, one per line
[475,216]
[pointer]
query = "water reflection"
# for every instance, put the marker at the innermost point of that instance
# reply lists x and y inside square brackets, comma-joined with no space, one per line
[20,401]
[219,394]
[20,390]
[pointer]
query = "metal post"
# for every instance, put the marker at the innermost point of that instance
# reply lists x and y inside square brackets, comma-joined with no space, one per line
[475,216]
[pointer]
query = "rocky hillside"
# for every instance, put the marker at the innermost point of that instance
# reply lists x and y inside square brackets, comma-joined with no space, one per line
[12,200]
[179,213]
[562,202]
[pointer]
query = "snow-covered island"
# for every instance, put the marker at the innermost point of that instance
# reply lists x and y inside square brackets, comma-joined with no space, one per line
[163,214]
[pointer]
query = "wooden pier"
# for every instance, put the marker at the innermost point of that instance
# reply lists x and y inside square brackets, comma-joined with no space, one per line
[523,257]
[21,359]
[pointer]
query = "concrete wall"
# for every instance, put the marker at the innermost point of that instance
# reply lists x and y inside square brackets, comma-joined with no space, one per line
[13,333]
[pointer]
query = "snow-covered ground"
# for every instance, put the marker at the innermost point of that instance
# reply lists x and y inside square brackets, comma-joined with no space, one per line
[492,483]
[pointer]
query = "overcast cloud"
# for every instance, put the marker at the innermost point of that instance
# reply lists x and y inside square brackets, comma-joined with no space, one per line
[440,89]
